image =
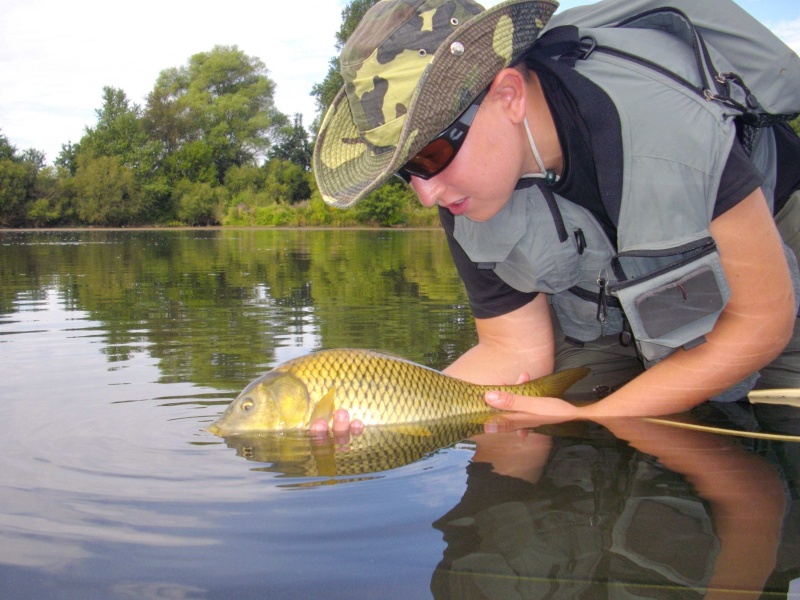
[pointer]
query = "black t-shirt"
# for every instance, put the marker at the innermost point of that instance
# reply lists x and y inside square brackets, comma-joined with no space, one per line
[589,133]
[787,145]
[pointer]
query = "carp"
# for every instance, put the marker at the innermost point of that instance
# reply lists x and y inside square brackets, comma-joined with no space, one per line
[374,387]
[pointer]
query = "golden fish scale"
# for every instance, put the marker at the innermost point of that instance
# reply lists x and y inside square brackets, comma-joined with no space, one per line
[381,389]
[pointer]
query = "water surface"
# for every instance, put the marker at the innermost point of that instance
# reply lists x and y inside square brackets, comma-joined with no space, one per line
[118,347]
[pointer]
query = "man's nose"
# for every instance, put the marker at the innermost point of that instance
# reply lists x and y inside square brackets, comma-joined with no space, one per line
[428,190]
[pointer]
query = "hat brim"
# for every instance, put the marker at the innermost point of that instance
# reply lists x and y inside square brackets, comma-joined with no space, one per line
[347,170]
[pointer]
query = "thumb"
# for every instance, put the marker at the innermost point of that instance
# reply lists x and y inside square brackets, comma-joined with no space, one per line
[500,400]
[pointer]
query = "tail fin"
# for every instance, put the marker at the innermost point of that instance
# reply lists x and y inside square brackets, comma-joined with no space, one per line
[551,385]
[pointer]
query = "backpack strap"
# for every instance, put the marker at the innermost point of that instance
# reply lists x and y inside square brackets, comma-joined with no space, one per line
[725,87]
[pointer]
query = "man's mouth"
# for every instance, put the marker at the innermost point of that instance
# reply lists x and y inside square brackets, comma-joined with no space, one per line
[458,207]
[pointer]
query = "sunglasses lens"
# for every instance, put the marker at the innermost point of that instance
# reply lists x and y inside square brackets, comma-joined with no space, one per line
[431,159]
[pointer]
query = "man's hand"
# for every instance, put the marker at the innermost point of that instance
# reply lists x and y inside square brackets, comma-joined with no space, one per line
[341,425]
[552,408]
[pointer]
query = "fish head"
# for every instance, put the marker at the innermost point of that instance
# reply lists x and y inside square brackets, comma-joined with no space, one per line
[274,402]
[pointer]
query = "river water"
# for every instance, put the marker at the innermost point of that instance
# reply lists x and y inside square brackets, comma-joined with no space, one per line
[118,347]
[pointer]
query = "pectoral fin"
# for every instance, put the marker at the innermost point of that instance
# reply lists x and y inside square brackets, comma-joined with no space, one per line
[325,407]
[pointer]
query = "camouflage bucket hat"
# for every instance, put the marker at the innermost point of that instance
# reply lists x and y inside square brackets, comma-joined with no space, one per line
[411,68]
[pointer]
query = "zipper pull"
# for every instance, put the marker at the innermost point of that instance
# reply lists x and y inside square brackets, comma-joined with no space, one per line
[602,304]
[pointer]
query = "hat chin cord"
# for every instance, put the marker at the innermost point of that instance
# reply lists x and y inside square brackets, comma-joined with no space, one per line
[548,175]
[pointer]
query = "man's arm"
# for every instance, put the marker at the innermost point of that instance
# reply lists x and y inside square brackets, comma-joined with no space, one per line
[517,342]
[753,329]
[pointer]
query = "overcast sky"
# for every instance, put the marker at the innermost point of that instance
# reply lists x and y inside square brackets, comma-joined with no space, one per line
[56,56]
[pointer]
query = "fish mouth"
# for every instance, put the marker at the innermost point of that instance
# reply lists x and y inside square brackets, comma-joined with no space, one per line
[213,428]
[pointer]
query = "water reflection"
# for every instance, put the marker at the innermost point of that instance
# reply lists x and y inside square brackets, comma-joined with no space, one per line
[337,458]
[219,307]
[119,347]
[635,509]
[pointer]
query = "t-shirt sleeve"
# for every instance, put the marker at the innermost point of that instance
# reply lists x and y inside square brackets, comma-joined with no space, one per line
[739,179]
[489,296]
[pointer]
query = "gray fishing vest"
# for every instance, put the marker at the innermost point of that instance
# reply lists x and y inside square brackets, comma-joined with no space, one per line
[664,282]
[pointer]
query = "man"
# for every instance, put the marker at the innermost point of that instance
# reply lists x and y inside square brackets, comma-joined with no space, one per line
[596,211]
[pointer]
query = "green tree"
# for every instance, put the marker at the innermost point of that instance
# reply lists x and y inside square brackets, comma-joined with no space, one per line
[13,191]
[119,131]
[386,206]
[7,151]
[287,182]
[119,134]
[294,144]
[248,178]
[105,193]
[167,117]
[221,98]
[23,179]
[194,161]
[67,159]
[199,202]
[47,202]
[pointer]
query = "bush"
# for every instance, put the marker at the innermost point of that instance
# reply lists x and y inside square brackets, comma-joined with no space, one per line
[274,216]
[199,203]
[105,193]
[245,179]
[48,204]
[13,191]
[286,182]
[386,206]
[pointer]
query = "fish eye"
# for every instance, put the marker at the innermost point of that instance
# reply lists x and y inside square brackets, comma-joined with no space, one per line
[246,404]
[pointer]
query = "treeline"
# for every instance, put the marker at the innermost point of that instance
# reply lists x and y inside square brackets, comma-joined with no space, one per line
[208,147]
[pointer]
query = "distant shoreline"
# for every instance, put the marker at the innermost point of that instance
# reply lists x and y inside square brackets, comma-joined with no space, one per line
[79,228]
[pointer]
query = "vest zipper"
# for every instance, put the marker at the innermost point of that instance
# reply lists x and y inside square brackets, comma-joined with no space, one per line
[600,298]
[602,306]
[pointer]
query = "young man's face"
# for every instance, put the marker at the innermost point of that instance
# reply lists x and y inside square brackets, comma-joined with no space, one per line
[482,176]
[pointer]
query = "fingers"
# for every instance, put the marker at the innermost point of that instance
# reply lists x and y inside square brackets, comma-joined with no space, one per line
[318,426]
[501,400]
[523,378]
[553,408]
[341,426]
[341,421]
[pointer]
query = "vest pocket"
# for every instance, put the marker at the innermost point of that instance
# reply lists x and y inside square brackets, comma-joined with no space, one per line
[676,303]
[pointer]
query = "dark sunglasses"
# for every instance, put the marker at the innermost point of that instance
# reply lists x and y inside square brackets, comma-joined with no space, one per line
[435,157]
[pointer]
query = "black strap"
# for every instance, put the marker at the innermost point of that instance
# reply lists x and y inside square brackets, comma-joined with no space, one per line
[562,41]
[552,204]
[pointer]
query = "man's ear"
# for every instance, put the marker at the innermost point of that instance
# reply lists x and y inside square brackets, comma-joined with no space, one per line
[509,88]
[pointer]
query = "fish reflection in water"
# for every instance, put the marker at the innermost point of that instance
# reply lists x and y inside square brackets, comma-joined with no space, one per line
[379,448]
[579,510]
